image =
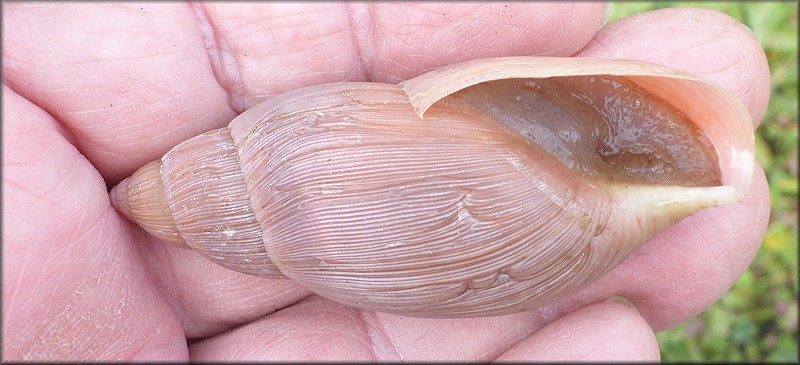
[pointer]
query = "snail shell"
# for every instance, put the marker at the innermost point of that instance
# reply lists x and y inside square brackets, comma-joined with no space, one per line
[482,188]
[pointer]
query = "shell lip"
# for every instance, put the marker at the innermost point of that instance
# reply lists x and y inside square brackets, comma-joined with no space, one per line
[425,90]
[730,128]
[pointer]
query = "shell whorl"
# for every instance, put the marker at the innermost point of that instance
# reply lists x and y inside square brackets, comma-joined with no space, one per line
[202,203]
[347,190]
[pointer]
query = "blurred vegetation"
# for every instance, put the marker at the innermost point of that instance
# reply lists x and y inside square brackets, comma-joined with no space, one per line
[757,319]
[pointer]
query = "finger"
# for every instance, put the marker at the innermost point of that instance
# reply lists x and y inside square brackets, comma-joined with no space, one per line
[320,329]
[685,269]
[598,332]
[407,40]
[128,80]
[71,289]
[210,299]
[280,47]
[265,49]
[691,265]
[702,42]
[329,332]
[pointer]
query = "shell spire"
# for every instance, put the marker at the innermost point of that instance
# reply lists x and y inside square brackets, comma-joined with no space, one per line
[141,199]
[200,185]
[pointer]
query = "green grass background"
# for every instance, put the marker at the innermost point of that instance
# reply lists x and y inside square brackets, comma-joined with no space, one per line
[757,319]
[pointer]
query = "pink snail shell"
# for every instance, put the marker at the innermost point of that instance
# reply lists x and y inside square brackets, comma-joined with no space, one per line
[482,188]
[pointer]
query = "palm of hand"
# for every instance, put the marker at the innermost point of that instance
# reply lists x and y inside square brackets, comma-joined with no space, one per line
[121,83]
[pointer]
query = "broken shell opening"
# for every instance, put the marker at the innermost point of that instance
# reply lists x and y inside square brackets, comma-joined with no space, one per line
[604,127]
[719,116]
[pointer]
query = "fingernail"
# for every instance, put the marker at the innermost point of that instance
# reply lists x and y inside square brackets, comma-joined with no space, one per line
[606,12]
[621,300]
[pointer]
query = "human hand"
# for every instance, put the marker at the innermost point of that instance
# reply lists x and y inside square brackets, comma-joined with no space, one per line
[94,91]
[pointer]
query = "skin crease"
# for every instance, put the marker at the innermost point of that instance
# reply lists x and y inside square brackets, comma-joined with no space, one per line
[92,92]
